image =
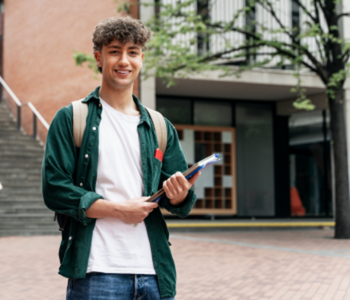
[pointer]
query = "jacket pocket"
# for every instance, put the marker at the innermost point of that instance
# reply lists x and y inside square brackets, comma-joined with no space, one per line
[156,171]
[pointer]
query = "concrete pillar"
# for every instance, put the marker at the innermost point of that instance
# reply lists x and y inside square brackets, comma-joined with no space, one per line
[346,34]
[147,86]
[347,117]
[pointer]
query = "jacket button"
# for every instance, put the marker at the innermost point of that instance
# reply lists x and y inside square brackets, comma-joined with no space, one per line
[86,155]
[70,238]
[99,104]
[81,184]
[93,128]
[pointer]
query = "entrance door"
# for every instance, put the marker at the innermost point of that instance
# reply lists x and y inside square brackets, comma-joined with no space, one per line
[255,160]
[310,177]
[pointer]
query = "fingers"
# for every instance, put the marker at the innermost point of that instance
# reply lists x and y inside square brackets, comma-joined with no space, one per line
[169,187]
[180,183]
[144,199]
[193,179]
[176,185]
[152,205]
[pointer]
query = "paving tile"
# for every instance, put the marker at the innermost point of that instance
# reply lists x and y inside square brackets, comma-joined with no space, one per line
[238,265]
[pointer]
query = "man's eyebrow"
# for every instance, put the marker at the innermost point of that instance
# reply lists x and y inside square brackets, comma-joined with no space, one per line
[118,47]
[135,47]
[114,46]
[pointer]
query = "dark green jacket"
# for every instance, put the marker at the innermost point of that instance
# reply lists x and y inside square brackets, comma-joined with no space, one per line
[69,182]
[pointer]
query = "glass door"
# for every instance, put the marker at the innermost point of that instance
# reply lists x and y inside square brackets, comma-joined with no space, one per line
[255,160]
[309,156]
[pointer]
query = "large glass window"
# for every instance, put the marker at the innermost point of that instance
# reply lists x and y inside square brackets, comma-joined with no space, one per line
[196,112]
[213,113]
[255,161]
[177,110]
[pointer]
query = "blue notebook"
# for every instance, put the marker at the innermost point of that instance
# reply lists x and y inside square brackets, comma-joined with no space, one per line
[199,166]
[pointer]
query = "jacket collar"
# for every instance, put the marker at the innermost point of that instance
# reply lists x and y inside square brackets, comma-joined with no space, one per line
[144,114]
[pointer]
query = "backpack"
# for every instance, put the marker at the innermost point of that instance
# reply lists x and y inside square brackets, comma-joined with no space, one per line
[80,112]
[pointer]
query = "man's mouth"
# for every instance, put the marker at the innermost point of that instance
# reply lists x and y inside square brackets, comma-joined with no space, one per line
[123,71]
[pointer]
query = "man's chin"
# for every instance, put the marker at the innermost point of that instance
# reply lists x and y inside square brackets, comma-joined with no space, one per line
[121,84]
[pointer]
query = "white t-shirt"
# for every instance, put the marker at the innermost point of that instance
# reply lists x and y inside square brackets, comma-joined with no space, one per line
[118,247]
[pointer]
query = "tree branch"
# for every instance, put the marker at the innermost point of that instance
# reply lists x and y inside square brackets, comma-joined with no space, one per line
[318,19]
[343,15]
[300,4]
[293,50]
[317,70]
[345,57]
[218,55]
[319,46]
[274,15]
[271,10]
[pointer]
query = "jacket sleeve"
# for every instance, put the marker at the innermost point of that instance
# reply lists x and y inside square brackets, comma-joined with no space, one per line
[58,171]
[174,161]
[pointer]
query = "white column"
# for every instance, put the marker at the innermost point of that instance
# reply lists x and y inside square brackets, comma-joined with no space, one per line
[346,33]
[347,118]
[147,86]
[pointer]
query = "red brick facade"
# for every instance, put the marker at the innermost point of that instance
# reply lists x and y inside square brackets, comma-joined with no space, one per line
[39,39]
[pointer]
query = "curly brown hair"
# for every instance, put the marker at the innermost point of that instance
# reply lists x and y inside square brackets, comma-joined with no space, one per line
[124,30]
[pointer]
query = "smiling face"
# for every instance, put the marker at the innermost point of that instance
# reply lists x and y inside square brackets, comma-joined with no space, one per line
[120,63]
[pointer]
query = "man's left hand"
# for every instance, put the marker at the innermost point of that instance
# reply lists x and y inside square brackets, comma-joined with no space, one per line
[177,187]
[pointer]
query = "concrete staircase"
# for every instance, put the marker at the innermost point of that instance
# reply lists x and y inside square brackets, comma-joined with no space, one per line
[22,210]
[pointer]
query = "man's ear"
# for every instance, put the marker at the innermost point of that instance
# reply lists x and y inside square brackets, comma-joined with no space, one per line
[142,55]
[97,55]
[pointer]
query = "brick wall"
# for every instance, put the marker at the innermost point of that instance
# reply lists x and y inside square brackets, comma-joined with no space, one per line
[39,39]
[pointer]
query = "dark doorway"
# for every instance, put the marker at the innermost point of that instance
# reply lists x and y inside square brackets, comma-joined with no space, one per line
[310,172]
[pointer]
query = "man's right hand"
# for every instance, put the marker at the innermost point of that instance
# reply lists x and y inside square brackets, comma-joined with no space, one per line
[132,211]
[135,210]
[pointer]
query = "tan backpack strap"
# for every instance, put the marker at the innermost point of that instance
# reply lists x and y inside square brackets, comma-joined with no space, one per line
[160,128]
[80,112]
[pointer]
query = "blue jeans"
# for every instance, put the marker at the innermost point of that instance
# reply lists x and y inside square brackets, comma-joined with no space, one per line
[101,286]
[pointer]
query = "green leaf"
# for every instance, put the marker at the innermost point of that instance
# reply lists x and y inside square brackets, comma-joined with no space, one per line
[304,105]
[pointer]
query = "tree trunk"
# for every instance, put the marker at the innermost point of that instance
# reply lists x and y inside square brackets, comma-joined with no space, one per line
[342,197]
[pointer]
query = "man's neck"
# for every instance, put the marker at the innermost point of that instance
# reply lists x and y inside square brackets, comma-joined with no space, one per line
[120,99]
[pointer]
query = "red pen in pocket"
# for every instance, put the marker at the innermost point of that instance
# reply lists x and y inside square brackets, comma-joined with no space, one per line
[158,154]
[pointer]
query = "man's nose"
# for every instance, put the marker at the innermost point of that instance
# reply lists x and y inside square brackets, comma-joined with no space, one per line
[123,59]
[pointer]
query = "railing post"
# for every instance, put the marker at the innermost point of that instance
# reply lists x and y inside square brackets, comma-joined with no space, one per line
[18,117]
[34,125]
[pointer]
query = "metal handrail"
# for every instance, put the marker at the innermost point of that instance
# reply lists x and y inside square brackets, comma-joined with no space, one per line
[36,114]
[12,94]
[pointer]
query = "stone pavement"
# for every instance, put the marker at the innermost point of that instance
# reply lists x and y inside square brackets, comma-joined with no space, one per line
[283,264]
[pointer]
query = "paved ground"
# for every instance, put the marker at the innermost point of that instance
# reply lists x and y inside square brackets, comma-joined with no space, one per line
[304,264]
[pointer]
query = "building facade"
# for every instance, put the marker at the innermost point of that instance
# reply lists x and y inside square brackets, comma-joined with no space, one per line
[277,161]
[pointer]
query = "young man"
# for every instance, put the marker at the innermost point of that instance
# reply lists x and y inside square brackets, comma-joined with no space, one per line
[115,245]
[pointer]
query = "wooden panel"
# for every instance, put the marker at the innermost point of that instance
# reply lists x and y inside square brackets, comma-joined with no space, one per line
[218,199]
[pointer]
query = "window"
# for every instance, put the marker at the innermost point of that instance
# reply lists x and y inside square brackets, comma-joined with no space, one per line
[203,38]
[196,112]
[295,18]
[178,111]
[251,27]
[213,113]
